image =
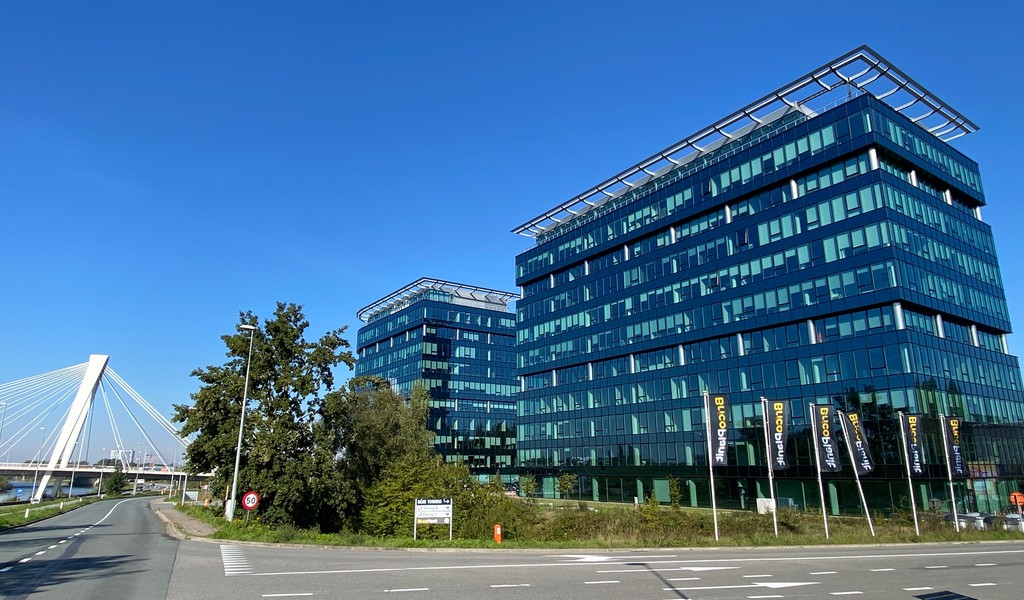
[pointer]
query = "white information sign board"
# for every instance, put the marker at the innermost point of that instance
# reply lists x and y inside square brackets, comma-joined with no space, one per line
[432,511]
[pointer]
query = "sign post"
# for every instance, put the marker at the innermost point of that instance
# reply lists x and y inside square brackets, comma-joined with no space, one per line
[432,511]
[249,502]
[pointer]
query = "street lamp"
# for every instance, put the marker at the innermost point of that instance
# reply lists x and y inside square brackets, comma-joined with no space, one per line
[229,508]
[2,421]
[38,458]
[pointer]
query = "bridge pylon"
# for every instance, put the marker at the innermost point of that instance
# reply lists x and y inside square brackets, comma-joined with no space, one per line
[72,428]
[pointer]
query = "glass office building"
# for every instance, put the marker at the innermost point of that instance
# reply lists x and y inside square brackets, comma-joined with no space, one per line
[821,246]
[458,342]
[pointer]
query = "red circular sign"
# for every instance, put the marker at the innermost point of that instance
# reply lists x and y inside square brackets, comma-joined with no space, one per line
[250,500]
[1016,498]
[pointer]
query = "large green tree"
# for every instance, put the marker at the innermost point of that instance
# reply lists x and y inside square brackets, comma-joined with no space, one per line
[290,440]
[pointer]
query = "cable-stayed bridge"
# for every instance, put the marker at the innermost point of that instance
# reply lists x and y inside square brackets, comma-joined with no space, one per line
[69,413]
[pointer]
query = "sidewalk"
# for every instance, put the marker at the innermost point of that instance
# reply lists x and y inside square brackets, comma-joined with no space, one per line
[180,525]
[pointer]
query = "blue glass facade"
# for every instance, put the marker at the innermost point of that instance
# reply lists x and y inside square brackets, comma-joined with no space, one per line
[823,258]
[458,342]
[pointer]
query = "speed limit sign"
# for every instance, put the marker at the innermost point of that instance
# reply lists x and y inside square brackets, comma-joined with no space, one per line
[250,500]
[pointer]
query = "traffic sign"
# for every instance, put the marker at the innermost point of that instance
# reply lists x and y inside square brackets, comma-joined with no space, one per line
[250,500]
[1017,499]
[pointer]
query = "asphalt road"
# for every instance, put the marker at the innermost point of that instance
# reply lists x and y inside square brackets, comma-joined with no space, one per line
[110,549]
[929,572]
[119,549]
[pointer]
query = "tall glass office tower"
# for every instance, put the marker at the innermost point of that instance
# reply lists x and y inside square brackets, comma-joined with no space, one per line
[458,342]
[821,246]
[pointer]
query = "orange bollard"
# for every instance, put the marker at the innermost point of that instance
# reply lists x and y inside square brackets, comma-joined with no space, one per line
[497,533]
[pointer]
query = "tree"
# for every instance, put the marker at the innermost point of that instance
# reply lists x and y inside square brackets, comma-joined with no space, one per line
[566,484]
[377,428]
[527,485]
[289,443]
[114,483]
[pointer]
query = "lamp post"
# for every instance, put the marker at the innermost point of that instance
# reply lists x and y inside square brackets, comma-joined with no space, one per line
[99,486]
[38,457]
[229,508]
[2,422]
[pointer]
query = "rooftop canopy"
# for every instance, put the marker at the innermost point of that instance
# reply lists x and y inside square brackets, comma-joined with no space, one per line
[861,71]
[470,295]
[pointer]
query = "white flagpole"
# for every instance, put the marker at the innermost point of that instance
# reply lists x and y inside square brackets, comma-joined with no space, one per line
[856,475]
[910,479]
[817,465]
[949,472]
[771,467]
[711,461]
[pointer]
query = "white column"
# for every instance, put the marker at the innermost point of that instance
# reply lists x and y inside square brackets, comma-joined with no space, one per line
[811,332]
[939,327]
[897,311]
[873,158]
[739,345]
[913,178]
[974,335]
[794,191]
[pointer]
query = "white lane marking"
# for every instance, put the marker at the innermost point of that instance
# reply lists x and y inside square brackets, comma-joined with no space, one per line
[600,582]
[846,593]
[684,579]
[881,570]
[980,584]
[51,547]
[771,596]
[605,558]
[510,585]
[41,552]
[25,560]
[938,567]
[824,573]
[62,542]
[287,595]
[985,565]
[918,589]
[408,590]
[694,569]
[762,559]
[5,569]
[235,562]
[753,576]
[771,585]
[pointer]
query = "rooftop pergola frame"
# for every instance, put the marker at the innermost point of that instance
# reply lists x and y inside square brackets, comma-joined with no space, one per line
[860,71]
[458,291]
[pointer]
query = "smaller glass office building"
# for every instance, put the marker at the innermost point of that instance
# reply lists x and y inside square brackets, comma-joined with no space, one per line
[458,341]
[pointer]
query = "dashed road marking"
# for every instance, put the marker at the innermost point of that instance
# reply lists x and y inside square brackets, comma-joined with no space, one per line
[938,567]
[985,565]
[852,593]
[881,570]
[408,590]
[40,552]
[510,585]
[980,584]
[824,572]
[287,595]
[918,589]
[235,562]
[601,582]
[684,579]
[5,569]
[753,576]
[772,596]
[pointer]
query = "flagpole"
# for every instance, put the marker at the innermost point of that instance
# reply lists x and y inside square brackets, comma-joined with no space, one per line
[949,472]
[711,461]
[856,475]
[768,458]
[817,465]
[910,480]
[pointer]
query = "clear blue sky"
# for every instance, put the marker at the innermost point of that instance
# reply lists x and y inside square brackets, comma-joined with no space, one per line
[165,165]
